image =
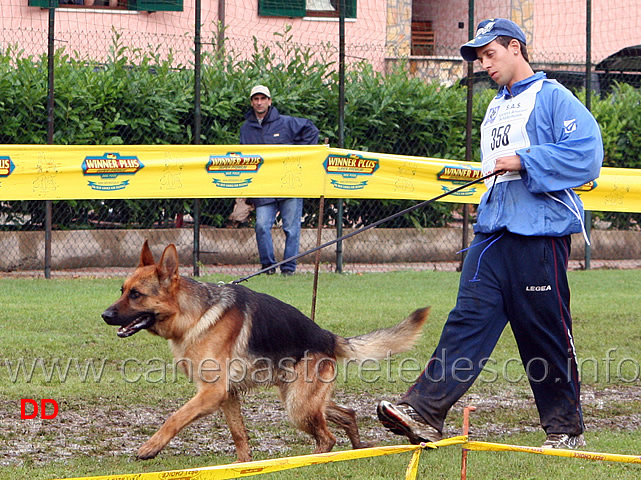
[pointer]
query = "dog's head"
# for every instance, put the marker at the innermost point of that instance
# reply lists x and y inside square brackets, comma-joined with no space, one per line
[147,300]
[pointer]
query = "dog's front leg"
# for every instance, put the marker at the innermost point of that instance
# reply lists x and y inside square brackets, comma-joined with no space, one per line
[206,401]
[234,419]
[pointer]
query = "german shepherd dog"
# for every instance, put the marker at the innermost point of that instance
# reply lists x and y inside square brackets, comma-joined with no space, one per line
[229,339]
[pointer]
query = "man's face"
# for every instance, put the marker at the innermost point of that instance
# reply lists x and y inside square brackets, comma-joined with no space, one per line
[500,62]
[260,104]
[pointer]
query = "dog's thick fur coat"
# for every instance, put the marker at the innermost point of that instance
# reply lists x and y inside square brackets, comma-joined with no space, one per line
[230,339]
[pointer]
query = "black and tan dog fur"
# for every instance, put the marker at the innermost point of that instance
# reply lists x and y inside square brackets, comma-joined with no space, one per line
[229,339]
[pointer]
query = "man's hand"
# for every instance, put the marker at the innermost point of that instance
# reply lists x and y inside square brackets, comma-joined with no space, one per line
[511,163]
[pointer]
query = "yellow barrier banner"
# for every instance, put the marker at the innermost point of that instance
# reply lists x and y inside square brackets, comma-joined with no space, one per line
[603,457]
[63,172]
[259,467]
[412,469]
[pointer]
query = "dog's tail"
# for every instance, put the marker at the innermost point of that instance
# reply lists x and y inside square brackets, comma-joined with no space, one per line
[386,341]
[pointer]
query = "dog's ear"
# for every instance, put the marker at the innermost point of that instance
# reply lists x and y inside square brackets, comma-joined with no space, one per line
[168,265]
[146,257]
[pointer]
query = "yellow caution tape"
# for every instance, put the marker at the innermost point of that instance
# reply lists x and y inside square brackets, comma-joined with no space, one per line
[247,469]
[604,457]
[447,442]
[412,468]
[259,467]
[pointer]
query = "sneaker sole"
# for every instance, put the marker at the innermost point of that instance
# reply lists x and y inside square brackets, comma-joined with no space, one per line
[396,425]
[564,447]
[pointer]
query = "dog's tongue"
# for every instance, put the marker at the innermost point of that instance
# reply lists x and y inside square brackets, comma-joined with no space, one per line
[135,326]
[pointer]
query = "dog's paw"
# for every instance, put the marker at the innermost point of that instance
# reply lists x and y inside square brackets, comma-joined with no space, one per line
[365,445]
[147,451]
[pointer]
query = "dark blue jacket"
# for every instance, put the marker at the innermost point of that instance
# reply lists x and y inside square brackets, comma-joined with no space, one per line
[276,129]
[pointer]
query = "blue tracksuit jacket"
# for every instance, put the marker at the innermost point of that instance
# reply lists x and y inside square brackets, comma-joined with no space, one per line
[565,151]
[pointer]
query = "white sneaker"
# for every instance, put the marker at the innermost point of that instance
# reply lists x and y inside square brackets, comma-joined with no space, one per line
[402,419]
[563,440]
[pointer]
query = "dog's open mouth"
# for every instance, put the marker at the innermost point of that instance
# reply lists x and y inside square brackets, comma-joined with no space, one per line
[144,321]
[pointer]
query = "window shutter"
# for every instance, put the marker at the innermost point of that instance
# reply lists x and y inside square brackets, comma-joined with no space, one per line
[156,5]
[350,8]
[42,3]
[281,8]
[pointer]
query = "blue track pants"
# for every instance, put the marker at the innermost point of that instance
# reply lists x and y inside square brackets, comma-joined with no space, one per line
[516,279]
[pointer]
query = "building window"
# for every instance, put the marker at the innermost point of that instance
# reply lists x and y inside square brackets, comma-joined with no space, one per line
[143,5]
[305,8]
[422,38]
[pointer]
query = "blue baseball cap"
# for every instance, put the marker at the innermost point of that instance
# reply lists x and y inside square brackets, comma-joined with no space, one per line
[487,31]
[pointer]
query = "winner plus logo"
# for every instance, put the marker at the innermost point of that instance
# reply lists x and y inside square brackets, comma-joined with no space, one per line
[108,168]
[228,169]
[6,166]
[459,175]
[350,168]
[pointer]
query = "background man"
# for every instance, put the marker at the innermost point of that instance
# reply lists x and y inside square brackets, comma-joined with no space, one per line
[265,125]
[541,142]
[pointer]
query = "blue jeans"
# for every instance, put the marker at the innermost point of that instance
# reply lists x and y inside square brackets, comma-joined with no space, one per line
[291,211]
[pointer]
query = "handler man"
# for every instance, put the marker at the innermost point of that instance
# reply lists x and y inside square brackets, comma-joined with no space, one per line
[541,142]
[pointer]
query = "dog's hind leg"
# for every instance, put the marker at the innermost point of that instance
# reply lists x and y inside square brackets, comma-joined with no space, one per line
[234,419]
[346,419]
[305,399]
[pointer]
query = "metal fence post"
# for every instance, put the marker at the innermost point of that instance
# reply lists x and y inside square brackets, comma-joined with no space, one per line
[341,124]
[588,103]
[468,129]
[51,53]
[197,125]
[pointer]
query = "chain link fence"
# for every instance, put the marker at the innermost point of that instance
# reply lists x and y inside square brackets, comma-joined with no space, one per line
[109,73]
[107,239]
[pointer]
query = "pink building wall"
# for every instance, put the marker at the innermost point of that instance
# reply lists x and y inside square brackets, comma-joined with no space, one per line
[556,30]
[559,30]
[381,31]
[89,31]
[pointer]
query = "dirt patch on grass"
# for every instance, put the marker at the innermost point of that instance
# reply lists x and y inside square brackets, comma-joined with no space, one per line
[116,430]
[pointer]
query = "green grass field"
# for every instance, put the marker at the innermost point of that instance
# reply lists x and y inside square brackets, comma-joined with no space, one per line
[114,393]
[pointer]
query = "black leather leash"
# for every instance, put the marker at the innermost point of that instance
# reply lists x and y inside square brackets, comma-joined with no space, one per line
[367,227]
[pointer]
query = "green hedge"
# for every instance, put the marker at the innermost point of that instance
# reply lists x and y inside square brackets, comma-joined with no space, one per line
[137,97]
